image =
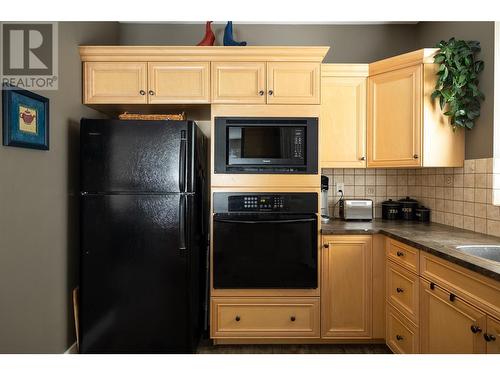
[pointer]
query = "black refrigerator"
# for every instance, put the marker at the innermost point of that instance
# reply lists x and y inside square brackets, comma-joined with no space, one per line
[143,233]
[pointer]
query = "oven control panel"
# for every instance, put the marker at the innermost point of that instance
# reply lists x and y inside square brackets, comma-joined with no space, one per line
[256,203]
[226,202]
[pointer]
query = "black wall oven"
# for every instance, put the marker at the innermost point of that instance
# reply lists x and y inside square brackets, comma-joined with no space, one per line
[266,145]
[265,240]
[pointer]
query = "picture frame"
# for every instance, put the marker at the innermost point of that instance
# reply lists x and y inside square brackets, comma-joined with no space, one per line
[25,119]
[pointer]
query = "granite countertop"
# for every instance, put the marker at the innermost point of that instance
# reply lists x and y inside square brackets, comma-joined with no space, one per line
[437,239]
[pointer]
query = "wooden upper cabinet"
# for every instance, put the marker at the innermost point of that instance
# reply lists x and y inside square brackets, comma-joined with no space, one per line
[293,83]
[394,118]
[492,336]
[239,82]
[343,115]
[449,325]
[115,83]
[178,82]
[346,287]
[406,127]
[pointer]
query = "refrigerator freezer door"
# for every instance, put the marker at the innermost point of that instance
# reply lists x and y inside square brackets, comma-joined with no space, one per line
[134,156]
[135,281]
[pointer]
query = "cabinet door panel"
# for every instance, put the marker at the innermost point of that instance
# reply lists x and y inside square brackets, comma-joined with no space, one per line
[346,295]
[492,336]
[447,324]
[343,122]
[394,118]
[293,83]
[184,82]
[239,82]
[115,83]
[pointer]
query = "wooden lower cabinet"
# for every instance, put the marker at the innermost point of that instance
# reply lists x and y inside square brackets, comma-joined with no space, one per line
[402,335]
[346,287]
[449,325]
[265,317]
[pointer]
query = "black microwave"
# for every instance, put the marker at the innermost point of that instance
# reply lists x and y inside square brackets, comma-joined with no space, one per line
[266,145]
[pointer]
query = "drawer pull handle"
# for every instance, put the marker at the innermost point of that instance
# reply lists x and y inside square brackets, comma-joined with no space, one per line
[475,329]
[400,253]
[489,337]
[292,318]
[237,318]
[399,337]
[452,297]
[399,290]
[432,286]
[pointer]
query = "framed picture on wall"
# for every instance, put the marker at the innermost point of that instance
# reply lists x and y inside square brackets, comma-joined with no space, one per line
[25,118]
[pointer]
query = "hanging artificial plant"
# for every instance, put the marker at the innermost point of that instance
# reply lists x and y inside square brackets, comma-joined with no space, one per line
[457,82]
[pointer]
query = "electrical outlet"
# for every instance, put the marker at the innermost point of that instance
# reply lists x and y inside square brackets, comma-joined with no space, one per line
[340,186]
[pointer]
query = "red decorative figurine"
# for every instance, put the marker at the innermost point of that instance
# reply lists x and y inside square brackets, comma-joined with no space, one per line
[209,38]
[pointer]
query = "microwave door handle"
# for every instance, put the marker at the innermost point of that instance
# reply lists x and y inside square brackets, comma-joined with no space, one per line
[265,221]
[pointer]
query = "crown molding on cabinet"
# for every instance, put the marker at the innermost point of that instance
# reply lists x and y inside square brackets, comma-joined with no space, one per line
[203,53]
[344,70]
[421,56]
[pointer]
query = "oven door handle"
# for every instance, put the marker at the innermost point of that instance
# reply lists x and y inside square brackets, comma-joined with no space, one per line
[265,221]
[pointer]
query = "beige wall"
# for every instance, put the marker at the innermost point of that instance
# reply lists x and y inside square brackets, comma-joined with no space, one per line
[349,43]
[479,141]
[39,213]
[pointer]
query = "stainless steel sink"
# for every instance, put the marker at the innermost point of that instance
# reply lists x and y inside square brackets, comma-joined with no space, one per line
[490,252]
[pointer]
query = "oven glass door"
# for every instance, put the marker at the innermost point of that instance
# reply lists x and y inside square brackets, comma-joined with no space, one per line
[265,251]
[266,145]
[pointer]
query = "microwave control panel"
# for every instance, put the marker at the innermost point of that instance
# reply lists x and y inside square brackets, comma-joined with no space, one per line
[298,151]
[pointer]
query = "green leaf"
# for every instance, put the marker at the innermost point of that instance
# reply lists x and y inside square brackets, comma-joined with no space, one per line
[457,81]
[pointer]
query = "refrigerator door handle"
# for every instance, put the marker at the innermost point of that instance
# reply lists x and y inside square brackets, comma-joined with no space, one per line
[182,162]
[182,224]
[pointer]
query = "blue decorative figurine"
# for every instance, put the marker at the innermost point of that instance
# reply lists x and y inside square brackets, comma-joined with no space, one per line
[228,36]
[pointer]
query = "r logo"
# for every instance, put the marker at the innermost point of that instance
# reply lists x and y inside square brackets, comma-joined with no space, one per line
[29,54]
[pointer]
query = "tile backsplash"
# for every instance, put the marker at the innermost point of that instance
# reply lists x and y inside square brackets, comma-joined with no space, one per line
[460,197]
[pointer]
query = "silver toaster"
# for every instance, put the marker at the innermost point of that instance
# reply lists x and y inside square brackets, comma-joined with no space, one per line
[356,209]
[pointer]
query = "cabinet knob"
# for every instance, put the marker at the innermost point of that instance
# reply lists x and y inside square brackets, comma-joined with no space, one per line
[151,92]
[452,297]
[432,286]
[415,156]
[237,318]
[475,329]
[292,318]
[261,92]
[326,246]
[270,92]
[489,337]
[362,158]
[400,254]
[399,290]
[142,92]
[399,337]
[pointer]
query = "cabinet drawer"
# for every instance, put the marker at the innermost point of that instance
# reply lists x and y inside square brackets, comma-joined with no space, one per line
[402,336]
[403,255]
[402,290]
[476,289]
[261,317]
